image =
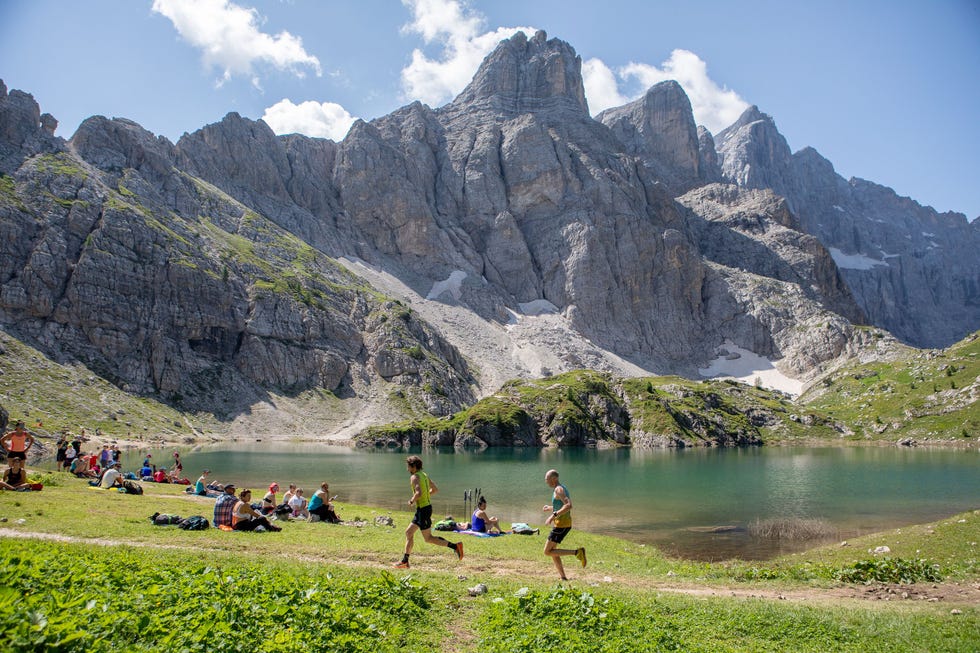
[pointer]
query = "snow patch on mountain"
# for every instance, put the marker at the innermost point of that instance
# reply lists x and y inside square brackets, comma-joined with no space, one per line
[451,285]
[854,261]
[734,362]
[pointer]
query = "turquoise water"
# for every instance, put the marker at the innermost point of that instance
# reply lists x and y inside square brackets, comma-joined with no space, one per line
[694,503]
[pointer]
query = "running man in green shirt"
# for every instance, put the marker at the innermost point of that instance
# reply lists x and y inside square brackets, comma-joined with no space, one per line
[422,489]
[561,521]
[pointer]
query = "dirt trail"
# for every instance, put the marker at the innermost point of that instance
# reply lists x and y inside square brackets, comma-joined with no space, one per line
[951,593]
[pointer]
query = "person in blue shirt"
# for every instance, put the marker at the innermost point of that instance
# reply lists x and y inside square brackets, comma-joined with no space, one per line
[480,522]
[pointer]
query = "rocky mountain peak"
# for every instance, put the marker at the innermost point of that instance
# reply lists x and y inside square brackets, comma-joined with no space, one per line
[659,128]
[754,154]
[117,144]
[23,130]
[526,76]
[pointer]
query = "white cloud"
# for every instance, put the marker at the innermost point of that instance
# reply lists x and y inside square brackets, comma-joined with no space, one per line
[714,107]
[229,38]
[323,120]
[464,46]
[601,88]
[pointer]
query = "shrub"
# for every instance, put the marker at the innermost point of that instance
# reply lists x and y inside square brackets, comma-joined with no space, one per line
[890,570]
[791,528]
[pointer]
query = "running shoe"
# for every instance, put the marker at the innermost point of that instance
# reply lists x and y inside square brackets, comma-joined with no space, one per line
[459,549]
[580,554]
[401,565]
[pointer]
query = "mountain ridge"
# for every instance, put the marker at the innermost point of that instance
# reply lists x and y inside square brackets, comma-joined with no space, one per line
[647,245]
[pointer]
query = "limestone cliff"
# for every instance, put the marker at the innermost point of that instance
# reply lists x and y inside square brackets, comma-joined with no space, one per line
[912,270]
[205,272]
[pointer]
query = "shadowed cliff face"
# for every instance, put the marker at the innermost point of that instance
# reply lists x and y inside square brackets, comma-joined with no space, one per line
[200,270]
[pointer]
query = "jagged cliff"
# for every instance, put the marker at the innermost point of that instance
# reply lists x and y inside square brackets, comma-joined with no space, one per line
[914,271]
[206,271]
[168,286]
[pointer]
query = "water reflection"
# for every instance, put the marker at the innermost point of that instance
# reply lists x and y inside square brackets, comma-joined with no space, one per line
[695,503]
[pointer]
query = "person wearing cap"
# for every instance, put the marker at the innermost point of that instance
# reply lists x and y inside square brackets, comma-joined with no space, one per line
[112,477]
[17,442]
[224,506]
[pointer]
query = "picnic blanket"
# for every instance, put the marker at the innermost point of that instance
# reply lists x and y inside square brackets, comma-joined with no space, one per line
[479,534]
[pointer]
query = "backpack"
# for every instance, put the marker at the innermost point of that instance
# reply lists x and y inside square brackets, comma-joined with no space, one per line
[132,487]
[445,525]
[521,528]
[195,523]
[165,520]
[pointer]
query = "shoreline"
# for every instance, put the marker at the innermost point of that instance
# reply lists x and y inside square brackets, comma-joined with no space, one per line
[48,443]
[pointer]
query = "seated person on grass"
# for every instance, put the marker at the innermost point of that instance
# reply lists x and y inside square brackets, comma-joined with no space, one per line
[224,507]
[112,477]
[15,476]
[297,504]
[481,522]
[201,487]
[80,467]
[146,472]
[246,518]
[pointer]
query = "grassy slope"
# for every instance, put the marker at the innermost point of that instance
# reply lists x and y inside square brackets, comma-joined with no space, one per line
[925,395]
[647,600]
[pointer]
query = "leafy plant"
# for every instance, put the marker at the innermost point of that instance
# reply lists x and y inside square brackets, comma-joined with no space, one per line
[124,600]
[890,570]
[568,620]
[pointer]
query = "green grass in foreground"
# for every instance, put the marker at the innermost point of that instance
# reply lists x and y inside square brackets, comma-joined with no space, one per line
[324,587]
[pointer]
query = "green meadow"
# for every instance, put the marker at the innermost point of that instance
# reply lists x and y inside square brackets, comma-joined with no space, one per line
[85,570]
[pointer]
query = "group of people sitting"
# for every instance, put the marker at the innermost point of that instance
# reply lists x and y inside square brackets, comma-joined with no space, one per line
[239,513]
[149,472]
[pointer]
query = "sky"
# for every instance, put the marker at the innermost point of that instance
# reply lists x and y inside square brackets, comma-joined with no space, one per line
[887,90]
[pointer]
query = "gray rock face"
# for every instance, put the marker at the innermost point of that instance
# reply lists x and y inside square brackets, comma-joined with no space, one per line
[659,129]
[527,75]
[754,154]
[912,270]
[180,268]
[21,129]
[169,287]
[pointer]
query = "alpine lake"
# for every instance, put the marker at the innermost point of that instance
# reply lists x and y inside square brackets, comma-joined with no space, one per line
[699,504]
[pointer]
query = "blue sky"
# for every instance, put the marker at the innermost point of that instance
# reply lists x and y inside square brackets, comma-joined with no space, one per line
[887,91]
